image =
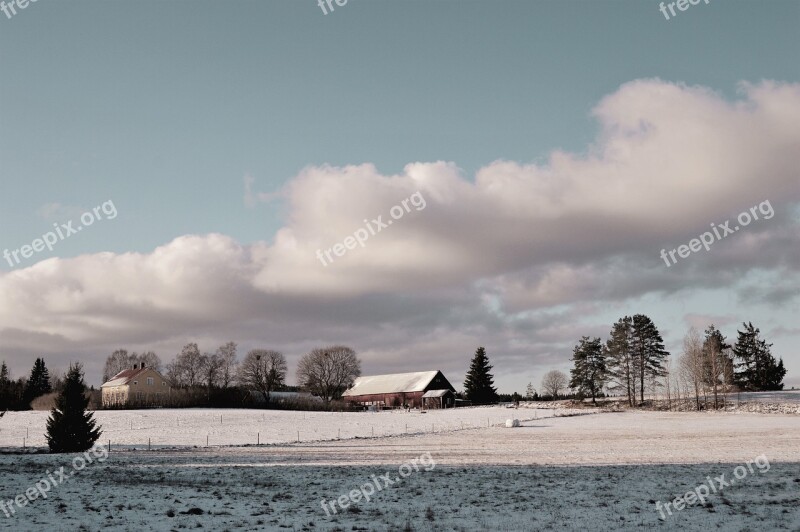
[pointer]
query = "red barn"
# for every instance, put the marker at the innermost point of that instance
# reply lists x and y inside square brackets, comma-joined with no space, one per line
[402,389]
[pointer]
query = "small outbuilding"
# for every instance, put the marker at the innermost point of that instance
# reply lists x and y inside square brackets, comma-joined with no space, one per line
[402,389]
[439,399]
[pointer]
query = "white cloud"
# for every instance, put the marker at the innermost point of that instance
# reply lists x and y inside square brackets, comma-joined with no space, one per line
[576,230]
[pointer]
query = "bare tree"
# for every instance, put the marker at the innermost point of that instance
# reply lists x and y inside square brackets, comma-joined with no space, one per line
[212,370]
[553,382]
[121,360]
[263,370]
[149,359]
[328,372]
[692,362]
[117,361]
[187,368]
[227,354]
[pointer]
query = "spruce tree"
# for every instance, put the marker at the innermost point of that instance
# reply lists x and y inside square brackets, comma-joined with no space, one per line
[38,383]
[479,383]
[70,427]
[757,369]
[589,371]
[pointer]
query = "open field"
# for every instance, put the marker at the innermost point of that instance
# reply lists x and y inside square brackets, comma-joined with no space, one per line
[599,471]
[191,427]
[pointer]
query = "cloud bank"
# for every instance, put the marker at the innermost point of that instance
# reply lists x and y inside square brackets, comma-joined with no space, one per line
[520,257]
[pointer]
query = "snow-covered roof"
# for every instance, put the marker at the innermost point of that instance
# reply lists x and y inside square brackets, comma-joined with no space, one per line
[125,376]
[436,393]
[394,383]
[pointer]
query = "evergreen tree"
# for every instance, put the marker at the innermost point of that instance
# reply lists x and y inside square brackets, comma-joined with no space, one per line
[648,351]
[38,383]
[757,369]
[5,387]
[70,427]
[775,377]
[589,371]
[479,383]
[619,357]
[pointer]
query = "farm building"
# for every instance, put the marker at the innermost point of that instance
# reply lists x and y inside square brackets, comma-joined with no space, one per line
[428,389]
[137,386]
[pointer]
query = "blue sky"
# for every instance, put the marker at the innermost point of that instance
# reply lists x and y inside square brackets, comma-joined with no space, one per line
[164,107]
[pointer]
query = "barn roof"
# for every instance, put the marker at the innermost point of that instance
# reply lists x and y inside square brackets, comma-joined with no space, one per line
[394,383]
[436,393]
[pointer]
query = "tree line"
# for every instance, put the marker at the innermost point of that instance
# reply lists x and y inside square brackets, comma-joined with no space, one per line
[633,360]
[208,379]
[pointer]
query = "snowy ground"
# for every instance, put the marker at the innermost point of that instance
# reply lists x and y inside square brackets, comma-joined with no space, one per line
[599,471]
[788,396]
[196,426]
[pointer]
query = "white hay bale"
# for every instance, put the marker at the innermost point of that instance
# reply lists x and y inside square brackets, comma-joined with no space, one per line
[511,423]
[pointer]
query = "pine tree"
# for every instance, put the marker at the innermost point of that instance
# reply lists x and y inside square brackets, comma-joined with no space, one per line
[589,371]
[757,369]
[648,351]
[70,427]
[479,383]
[38,383]
[619,358]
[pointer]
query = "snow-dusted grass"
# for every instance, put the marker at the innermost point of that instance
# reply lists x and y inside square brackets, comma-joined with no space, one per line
[191,427]
[600,471]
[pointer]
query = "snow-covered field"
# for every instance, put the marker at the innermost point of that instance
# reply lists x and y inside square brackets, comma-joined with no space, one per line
[597,471]
[195,427]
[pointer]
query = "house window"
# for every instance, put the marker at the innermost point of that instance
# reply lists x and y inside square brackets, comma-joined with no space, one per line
[135,383]
[150,381]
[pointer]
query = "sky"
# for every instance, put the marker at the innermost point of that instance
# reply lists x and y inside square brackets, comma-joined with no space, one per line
[212,153]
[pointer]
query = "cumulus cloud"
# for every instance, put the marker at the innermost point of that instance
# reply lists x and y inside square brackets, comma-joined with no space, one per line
[485,256]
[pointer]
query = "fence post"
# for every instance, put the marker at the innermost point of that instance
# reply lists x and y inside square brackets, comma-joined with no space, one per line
[148,444]
[206,440]
[258,438]
[298,436]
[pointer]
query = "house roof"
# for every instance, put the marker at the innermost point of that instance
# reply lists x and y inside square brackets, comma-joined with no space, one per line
[124,377]
[436,393]
[394,383]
